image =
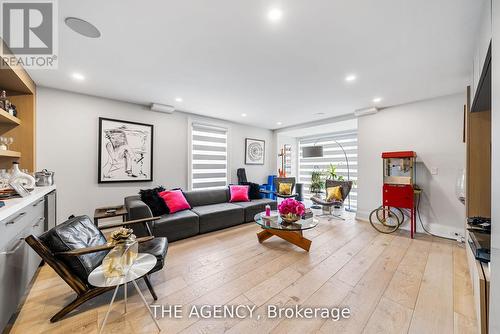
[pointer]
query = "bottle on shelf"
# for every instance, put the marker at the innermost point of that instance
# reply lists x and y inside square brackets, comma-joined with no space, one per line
[3,99]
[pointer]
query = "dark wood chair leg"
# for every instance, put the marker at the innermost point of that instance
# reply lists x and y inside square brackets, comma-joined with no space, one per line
[150,287]
[79,300]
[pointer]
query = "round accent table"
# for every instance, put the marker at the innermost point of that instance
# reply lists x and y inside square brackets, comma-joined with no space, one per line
[142,265]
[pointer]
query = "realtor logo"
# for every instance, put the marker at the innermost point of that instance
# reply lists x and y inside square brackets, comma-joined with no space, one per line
[29,31]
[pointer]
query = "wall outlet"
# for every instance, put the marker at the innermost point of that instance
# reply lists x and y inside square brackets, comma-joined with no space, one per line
[434,171]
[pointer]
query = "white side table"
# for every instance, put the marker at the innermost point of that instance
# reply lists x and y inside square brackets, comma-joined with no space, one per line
[142,265]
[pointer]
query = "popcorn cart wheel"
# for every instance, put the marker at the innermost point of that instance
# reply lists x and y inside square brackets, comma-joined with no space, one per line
[386,220]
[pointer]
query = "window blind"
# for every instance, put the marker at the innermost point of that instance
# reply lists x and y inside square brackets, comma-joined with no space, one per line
[208,157]
[332,154]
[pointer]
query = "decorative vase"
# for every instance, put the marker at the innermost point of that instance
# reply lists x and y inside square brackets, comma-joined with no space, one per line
[17,176]
[120,259]
[290,218]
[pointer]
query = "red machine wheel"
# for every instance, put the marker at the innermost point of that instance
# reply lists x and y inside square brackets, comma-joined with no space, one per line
[384,220]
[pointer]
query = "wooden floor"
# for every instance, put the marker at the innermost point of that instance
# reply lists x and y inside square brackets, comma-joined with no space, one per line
[391,284]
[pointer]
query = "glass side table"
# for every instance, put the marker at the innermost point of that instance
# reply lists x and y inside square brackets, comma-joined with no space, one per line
[142,265]
[289,232]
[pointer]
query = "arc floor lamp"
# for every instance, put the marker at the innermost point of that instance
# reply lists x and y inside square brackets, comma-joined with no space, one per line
[317,152]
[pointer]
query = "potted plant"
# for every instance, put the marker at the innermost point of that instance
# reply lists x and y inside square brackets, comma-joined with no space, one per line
[317,182]
[331,173]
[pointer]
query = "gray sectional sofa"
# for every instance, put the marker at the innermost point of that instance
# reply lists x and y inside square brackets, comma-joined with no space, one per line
[210,211]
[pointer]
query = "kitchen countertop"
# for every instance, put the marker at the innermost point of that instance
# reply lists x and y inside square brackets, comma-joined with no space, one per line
[15,204]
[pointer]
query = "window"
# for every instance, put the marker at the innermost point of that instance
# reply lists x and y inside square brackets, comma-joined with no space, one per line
[208,157]
[332,154]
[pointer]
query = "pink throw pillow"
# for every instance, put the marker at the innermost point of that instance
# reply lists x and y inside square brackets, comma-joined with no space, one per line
[175,200]
[239,194]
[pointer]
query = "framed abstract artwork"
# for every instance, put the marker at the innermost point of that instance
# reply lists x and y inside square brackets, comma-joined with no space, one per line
[255,151]
[125,151]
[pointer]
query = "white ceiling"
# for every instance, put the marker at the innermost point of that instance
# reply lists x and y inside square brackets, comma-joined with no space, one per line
[224,58]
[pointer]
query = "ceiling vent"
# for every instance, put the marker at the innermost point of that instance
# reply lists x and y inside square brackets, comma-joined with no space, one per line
[164,108]
[365,111]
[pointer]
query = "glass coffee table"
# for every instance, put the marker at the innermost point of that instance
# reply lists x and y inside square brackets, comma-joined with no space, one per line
[289,232]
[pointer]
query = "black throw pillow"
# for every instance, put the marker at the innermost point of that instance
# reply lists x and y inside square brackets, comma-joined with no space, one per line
[154,201]
[253,190]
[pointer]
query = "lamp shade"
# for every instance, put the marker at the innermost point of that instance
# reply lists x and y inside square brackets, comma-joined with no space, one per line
[312,152]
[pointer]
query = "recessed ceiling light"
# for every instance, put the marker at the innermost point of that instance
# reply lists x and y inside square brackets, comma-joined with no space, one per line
[275,15]
[319,113]
[178,99]
[278,123]
[82,27]
[377,99]
[243,115]
[78,76]
[350,78]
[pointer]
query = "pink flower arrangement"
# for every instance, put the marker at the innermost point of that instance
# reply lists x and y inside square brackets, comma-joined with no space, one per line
[291,207]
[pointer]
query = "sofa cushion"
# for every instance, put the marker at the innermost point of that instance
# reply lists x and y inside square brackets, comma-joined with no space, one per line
[255,206]
[217,216]
[253,190]
[177,225]
[175,200]
[207,197]
[238,193]
[151,198]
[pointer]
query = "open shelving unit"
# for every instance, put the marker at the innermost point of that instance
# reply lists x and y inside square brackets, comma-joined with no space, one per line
[21,91]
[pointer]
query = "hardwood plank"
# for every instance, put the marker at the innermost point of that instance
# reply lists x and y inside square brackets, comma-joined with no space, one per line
[364,297]
[434,308]
[260,323]
[264,291]
[322,249]
[305,286]
[464,325]
[463,298]
[352,272]
[330,294]
[389,317]
[405,284]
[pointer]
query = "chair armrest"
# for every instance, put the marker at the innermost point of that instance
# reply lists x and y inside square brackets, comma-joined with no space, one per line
[107,246]
[130,222]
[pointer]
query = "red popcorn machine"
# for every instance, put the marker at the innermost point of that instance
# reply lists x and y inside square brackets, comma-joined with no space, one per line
[398,192]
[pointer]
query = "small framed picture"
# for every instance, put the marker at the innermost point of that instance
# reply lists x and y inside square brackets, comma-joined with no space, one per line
[20,189]
[255,151]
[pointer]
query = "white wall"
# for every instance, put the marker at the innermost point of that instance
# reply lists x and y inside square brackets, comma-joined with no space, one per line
[282,140]
[67,141]
[432,128]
